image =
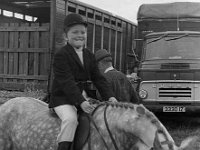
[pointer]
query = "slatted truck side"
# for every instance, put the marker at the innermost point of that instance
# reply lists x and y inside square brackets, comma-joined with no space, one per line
[31,31]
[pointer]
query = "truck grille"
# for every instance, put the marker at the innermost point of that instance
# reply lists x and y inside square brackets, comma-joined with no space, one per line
[175,66]
[175,92]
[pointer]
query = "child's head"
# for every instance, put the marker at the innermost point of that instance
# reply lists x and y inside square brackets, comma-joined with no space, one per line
[76,30]
[104,59]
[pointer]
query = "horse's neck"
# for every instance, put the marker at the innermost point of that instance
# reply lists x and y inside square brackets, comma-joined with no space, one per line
[128,124]
[116,116]
[96,136]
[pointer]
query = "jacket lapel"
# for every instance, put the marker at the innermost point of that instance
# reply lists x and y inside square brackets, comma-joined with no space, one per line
[86,61]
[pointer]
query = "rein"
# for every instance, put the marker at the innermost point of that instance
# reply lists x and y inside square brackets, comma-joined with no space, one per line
[107,127]
[99,133]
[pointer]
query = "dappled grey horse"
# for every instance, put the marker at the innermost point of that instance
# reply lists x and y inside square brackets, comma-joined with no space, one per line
[27,124]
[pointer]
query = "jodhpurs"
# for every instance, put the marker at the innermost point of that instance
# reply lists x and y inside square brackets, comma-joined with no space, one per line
[69,122]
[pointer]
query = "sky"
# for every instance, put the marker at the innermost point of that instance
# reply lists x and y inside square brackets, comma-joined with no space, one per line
[126,8]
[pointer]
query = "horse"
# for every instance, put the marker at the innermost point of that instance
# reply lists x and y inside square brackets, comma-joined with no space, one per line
[27,124]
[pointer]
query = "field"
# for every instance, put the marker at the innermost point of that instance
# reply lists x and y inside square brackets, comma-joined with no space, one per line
[179,126]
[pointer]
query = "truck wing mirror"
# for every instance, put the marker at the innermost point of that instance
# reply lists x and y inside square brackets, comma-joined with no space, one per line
[135,56]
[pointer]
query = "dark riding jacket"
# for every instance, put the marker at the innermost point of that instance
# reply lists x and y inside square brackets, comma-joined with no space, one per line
[69,72]
[121,86]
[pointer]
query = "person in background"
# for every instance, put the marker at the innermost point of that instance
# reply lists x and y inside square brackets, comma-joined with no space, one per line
[75,69]
[133,78]
[134,73]
[118,81]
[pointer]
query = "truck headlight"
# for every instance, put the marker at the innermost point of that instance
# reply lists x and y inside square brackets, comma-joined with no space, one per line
[143,94]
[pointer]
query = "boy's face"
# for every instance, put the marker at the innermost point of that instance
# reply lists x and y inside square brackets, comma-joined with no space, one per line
[77,35]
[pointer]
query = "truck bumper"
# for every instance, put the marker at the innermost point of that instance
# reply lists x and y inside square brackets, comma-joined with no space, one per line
[158,106]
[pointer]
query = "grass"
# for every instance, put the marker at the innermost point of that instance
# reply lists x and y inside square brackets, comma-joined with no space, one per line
[6,95]
[182,127]
[184,132]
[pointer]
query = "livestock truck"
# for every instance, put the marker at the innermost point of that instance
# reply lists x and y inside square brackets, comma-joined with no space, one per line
[169,51]
[31,31]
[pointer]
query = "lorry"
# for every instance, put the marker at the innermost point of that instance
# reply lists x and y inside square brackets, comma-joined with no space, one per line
[169,52]
[31,31]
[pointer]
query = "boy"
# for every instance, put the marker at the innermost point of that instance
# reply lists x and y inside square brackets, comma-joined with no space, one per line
[74,68]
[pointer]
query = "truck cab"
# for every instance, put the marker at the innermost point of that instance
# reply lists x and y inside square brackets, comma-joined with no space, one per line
[169,53]
[170,71]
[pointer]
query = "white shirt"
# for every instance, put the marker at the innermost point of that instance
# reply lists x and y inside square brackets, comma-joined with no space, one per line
[80,55]
[108,69]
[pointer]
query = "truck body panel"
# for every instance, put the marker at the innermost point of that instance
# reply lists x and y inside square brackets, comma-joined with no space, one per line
[167,11]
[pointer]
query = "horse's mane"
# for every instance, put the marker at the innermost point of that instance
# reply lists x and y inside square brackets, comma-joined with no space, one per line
[117,110]
[138,108]
[132,119]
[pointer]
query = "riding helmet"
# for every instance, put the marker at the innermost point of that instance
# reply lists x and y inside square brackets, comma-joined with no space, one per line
[73,19]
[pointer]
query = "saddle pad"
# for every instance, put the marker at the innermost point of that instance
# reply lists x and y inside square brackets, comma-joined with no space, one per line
[82,131]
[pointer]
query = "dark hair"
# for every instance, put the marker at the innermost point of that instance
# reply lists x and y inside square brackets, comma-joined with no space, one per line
[106,59]
[102,54]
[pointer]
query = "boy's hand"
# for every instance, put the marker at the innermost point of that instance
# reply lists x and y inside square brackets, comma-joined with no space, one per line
[87,107]
[112,99]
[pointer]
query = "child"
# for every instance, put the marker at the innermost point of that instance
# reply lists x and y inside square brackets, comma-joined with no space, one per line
[119,82]
[74,68]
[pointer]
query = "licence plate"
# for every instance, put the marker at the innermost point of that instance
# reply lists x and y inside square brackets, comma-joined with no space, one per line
[174,109]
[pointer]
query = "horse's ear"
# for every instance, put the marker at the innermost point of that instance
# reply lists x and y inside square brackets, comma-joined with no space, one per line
[188,143]
[156,143]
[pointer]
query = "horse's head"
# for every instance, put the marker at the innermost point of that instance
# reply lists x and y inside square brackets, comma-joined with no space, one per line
[187,144]
[135,127]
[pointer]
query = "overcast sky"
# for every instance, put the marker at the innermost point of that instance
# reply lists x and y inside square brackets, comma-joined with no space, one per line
[126,8]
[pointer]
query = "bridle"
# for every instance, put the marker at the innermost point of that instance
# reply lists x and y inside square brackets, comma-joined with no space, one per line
[109,131]
[107,126]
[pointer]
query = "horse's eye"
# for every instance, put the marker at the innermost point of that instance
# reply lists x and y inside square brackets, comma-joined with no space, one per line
[152,148]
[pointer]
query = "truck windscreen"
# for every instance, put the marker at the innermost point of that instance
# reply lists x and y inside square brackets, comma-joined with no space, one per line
[172,47]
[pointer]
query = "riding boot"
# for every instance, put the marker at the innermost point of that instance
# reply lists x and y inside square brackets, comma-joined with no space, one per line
[64,145]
